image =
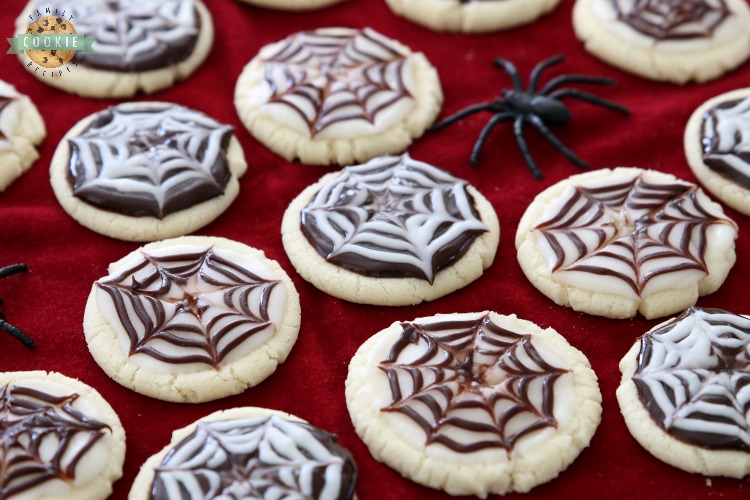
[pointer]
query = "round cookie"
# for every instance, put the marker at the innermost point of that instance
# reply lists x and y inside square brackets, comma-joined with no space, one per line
[617,242]
[21,128]
[474,403]
[192,319]
[249,453]
[121,183]
[292,4]
[471,16]
[668,40]
[140,46]
[393,231]
[337,95]
[717,146]
[60,439]
[684,392]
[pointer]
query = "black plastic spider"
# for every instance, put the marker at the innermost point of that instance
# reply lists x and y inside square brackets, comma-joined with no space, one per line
[4,325]
[535,108]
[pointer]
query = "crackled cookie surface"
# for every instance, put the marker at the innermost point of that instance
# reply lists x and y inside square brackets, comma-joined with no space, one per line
[59,438]
[337,95]
[676,41]
[471,16]
[473,403]
[717,146]
[140,45]
[684,392]
[393,231]
[249,453]
[145,171]
[192,319]
[617,242]
[21,129]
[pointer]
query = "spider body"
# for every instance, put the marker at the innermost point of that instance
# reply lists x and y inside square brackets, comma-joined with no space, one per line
[536,108]
[4,325]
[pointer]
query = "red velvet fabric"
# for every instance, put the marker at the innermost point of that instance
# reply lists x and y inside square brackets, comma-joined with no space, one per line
[64,258]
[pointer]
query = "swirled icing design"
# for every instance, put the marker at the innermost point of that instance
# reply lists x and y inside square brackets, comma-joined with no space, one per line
[693,377]
[44,437]
[392,217]
[149,160]
[265,458]
[635,233]
[187,307]
[472,384]
[672,19]
[726,140]
[132,35]
[337,82]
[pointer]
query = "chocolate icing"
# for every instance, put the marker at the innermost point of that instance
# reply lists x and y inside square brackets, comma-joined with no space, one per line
[256,458]
[672,19]
[29,418]
[470,364]
[148,160]
[732,158]
[392,217]
[692,373]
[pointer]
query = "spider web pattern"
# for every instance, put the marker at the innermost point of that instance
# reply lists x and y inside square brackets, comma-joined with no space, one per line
[150,161]
[472,376]
[190,308]
[726,140]
[632,231]
[392,216]
[256,458]
[693,377]
[336,75]
[672,19]
[31,418]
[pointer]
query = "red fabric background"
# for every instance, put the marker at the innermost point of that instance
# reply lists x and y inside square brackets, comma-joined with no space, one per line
[66,258]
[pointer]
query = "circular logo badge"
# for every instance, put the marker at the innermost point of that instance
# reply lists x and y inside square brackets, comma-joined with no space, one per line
[50,56]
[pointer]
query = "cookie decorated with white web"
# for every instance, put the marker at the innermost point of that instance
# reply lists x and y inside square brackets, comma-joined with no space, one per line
[473,403]
[392,231]
[147,171]
[192,319]
[249,452]
[671,40]
[59,438]
[337,96]
[139,45]
[292,4]
[21,130]
[684,392]
[619,242]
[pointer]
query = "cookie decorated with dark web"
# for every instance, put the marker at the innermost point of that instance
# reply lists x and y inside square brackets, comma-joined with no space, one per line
[21,130]
[619,242]
[393,231]
[717,146]
[337,96]
[249,453]
[139,45]
[147,171]
[473,403]
[192,319]
[59,438]
[671,40]
[684,392]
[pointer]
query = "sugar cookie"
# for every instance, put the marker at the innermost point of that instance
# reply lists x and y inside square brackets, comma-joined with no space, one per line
[21,129]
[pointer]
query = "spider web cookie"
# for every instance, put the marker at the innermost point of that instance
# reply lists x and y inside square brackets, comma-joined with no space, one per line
[473,403]
[21,129]
[683,392]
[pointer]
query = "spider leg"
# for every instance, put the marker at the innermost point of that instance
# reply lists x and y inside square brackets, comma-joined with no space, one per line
[518,132]
[563,79]
[537,71]
[590,98]
[511,70]
[450,120]
[12,269]
[25,339]
[498,118]
[570,155]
